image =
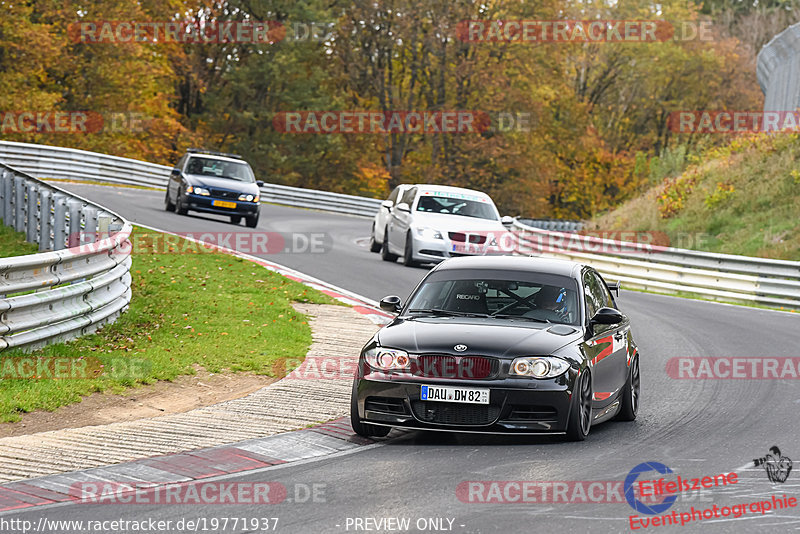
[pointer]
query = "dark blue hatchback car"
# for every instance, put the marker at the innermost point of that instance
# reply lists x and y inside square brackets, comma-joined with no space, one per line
[214,182]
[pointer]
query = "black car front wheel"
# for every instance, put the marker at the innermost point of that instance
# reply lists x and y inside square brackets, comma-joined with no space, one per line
[251,222]
[630,393]
[364,429]
[580,416]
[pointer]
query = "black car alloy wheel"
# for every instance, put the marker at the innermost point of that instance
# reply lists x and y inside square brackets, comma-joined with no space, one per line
[580,417]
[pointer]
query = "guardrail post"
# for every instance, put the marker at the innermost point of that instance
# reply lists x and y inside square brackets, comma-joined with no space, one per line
[59,221]
[74,209]
[3,195]
[19,203]
[103,225]
[90,226]
[44,220]
[32,210]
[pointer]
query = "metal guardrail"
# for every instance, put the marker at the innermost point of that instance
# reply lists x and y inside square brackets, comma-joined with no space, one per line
[723,277]
[70,164]
[554,225]
[79,282]
[777,72]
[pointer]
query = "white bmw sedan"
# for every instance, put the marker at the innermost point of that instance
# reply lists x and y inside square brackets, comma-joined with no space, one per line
[430,223]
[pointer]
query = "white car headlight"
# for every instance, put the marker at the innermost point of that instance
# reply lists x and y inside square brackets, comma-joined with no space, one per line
[382,359]
[429,233]
[198,191]
[248,198]
[538,366]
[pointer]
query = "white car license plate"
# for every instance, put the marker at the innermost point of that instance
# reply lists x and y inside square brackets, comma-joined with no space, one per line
[454,394]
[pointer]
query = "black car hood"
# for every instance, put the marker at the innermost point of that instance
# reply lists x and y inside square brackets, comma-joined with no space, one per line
[201,180]
[481,336]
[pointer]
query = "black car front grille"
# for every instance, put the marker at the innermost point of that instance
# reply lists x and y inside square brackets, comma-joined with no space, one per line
[532,413]
[221,193]
[455,367]
[385,405]
[448,413]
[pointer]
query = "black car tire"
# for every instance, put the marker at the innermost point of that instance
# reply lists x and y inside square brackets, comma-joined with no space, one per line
[236,219]
[629,408]
[580,414]
[180,208]
[364,429]
[251,222]
[169,206]
[374,246]
[385,254]
[408,252]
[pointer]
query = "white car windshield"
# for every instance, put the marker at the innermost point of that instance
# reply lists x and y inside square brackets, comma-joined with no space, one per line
[456,206]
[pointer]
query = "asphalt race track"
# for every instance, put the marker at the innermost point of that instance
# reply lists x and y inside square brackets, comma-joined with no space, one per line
[696,427]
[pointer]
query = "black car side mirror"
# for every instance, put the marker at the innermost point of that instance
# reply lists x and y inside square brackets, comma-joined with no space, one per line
[391,304]
[606,316]
[259,183]
[176,172]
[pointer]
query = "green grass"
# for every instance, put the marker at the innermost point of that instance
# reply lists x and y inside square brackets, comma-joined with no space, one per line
[204,309]
[12,243]
[745,200]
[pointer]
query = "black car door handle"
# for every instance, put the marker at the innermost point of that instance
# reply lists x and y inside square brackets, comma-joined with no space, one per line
[618,336]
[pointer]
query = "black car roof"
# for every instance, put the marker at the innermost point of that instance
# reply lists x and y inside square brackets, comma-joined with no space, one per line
[535,264]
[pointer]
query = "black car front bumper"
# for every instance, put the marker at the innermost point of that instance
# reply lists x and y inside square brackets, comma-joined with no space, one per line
[514,406]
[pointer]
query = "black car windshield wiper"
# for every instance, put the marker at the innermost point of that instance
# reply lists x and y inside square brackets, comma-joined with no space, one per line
[509,316]
[455,313]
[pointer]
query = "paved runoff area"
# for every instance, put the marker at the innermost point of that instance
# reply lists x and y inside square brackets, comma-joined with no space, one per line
[315,392]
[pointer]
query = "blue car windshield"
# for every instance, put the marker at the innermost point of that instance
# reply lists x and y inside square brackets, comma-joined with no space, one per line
[232,170]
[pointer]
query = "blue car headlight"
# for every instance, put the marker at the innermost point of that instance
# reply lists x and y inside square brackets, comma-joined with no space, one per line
[198,191]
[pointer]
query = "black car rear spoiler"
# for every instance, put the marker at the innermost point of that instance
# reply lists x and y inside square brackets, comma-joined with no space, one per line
[614,286]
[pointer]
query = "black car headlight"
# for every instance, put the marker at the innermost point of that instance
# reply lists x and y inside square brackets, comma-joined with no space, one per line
[539,366]
[248,197]
[382,359]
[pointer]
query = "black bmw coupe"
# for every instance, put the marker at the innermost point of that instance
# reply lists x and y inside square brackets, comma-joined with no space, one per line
[520,345]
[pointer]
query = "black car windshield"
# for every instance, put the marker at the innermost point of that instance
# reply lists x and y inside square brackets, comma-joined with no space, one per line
[219,168]
[548,301]
[450,205]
